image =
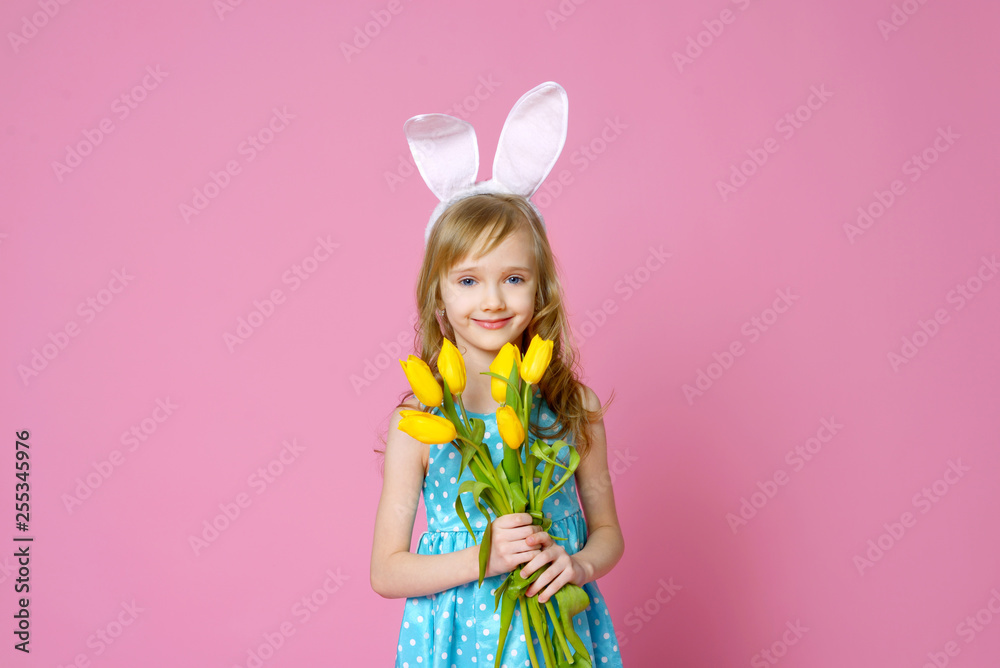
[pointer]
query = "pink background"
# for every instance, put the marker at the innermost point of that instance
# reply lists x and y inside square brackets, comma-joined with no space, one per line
[650,140]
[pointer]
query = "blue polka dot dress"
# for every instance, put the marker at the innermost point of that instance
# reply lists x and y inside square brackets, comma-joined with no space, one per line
[458,627]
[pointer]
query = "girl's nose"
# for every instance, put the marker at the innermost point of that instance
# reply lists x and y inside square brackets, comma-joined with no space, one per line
[493,299]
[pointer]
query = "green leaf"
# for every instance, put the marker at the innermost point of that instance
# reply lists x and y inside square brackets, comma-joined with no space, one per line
[506,617]
[500,590]
[484,552]
[476,488]
[468,452]
[519,500]
[560,632]
[460,509]
[573,599]
[478,429]
[574,461]
[513,381]
[550,453]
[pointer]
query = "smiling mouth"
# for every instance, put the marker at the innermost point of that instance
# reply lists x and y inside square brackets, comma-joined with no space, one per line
[493,324]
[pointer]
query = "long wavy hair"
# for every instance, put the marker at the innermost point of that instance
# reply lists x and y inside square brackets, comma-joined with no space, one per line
[456,235]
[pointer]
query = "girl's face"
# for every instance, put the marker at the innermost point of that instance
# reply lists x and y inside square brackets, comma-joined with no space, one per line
[489,301]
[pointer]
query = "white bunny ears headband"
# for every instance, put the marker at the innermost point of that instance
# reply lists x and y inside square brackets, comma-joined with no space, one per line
[447,154]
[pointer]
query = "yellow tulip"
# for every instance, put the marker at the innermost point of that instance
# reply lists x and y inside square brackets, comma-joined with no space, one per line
[511,429]
[427,428]
[422,380]
[452,367]
[501,364]
[536,360]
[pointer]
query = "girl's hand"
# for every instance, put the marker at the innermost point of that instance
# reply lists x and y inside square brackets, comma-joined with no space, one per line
[509,548]
[563,568]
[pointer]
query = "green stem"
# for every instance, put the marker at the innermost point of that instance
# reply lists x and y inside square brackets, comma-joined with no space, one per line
[465,416]
[489,471]
[542,631]
[553,610]
[522,599]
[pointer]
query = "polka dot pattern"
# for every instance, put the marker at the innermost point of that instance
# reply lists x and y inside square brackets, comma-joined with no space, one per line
[460,627]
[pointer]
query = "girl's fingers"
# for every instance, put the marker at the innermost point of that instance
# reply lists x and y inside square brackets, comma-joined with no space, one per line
[555,586]
[541,538]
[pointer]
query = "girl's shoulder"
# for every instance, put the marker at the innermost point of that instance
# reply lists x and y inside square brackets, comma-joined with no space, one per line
[589,398]
[410,404]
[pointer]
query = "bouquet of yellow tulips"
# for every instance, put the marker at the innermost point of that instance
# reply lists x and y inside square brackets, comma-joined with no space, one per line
[518,485]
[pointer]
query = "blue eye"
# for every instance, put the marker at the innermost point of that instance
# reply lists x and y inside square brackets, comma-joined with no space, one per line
[462,281]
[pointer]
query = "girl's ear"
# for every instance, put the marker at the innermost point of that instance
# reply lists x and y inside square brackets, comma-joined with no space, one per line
[532,138]
[445,151]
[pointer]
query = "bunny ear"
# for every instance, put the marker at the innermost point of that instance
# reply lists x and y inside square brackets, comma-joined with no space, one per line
[532,138]
[445,151]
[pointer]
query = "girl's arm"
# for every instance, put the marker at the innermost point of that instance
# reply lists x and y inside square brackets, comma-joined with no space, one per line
[395,572]
[597,497]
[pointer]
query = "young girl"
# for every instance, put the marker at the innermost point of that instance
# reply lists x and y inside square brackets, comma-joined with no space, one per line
[489,278]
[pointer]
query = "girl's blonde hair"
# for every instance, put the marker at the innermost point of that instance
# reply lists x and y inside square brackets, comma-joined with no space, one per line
[456,235]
